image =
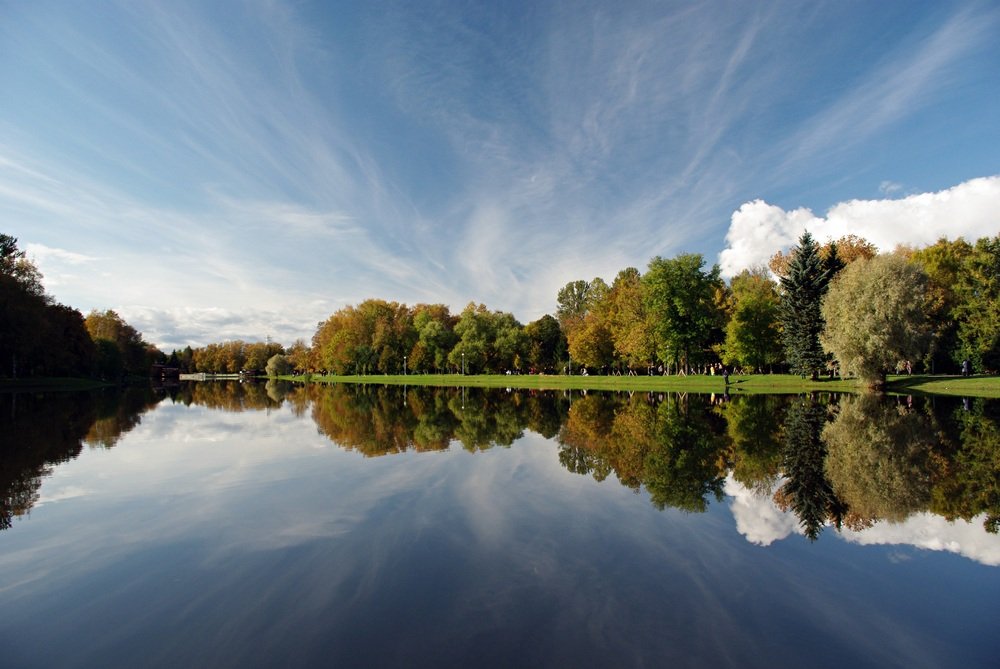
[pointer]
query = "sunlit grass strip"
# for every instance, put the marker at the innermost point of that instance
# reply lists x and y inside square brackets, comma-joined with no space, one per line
[981,386]
[776,383]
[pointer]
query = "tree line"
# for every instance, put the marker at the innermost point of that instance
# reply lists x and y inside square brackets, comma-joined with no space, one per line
[817,309]
[40,337]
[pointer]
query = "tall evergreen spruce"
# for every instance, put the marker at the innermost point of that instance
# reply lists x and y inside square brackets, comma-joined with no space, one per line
[801,319]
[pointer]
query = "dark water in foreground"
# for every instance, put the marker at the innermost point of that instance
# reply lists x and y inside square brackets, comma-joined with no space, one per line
[221,525]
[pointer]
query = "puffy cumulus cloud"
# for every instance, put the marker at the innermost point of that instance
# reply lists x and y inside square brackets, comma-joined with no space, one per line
[971,210]
[757,517]
[762,523]
[931,532]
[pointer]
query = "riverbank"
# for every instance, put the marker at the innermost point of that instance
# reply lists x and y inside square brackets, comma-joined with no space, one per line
[922,384]
[917,384]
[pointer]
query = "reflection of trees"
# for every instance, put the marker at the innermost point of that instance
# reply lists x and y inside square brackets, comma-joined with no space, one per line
[972,484]
[806,489]
[230,395]
[376,420]
[40,431]
[753,423]
[880,458]
[118,414]
[672,445]
[875,460]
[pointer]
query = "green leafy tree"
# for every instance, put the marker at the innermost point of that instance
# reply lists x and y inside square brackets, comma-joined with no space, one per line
[591,344]
[15,264]
[278,365]
[628,321]
[680,298]
[803,289]
[978,309]
[509,349]
[943,262]
[435,328]
[546,344]
[476,332]
[108,325]
[876,317]
[577,299]
[753,335]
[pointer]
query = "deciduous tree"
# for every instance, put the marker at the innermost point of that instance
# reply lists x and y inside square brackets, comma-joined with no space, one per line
[876,317]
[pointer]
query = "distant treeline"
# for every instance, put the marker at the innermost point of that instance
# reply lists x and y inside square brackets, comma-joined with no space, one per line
[837,306]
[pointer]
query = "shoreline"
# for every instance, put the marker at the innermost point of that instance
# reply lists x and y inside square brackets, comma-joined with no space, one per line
[918,384]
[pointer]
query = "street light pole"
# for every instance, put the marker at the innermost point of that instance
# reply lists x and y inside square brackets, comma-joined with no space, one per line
[463,363]
[404,365]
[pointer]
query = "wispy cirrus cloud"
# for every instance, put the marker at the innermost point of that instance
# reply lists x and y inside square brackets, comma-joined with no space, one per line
[275,155]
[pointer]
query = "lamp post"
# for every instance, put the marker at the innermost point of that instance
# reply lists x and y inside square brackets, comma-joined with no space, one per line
[404,365]
[463,363]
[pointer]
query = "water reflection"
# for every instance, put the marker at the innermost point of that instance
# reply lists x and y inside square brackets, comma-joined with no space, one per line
[847,462]
[40,431]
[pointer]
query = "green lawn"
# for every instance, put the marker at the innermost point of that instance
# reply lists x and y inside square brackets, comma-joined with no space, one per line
[976,386]
[918,384]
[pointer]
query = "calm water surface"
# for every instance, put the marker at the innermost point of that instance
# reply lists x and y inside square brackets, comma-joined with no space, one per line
[221,525]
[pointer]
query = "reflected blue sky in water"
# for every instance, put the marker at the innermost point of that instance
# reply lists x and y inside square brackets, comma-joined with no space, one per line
[248,539]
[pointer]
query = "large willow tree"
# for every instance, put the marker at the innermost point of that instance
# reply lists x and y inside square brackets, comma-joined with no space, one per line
[876,317]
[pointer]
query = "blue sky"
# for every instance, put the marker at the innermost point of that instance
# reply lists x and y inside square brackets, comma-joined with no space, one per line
[218,170]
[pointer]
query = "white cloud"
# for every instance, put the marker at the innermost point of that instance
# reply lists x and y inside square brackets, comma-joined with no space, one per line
[762,523]
[931,532]
[970,209]
[43,254]
[757,517]
[889,188]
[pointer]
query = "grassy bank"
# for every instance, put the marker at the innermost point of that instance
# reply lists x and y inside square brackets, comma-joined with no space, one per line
[976,386]
[918,384]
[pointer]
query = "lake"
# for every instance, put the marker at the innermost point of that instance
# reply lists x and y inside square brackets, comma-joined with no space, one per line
[261,525]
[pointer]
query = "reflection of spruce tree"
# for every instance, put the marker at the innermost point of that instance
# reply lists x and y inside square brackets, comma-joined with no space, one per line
[806,490]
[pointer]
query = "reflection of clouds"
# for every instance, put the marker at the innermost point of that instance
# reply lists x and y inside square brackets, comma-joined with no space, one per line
[59,495]
[757,517]
[931,532]
[762,522]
